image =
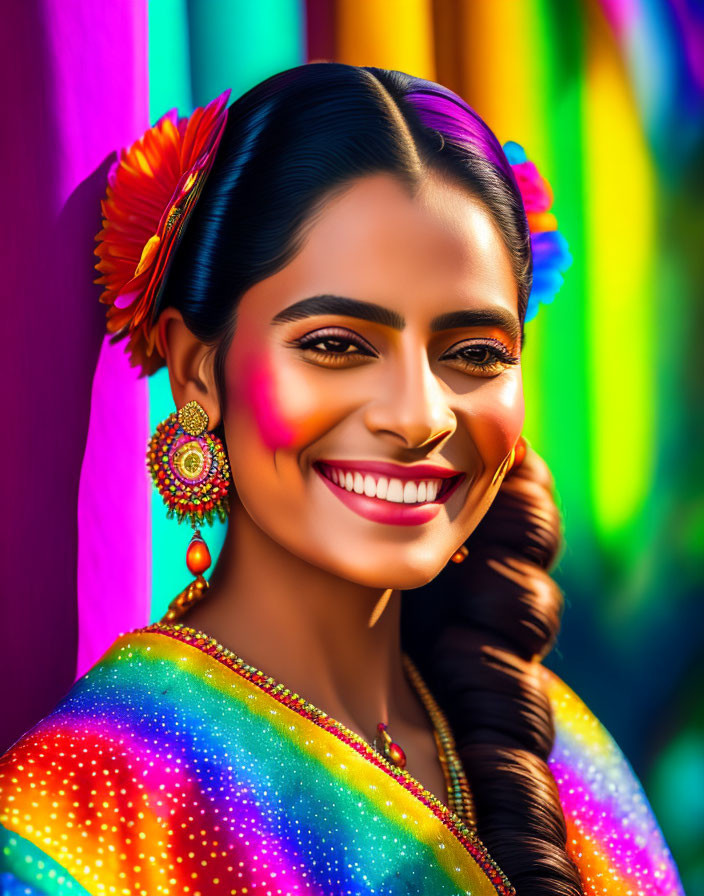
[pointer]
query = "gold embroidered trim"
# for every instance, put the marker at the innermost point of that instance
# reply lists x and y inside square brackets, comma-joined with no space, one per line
[466,835]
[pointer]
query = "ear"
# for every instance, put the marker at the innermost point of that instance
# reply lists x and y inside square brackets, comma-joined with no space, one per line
[190,363]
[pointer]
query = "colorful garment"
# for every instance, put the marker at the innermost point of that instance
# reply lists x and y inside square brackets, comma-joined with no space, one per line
[173,767]
[612,833]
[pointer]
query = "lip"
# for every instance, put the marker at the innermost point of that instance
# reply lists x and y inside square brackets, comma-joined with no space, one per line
[392,513]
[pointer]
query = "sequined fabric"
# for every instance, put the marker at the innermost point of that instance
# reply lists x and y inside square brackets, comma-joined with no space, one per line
[612,833]
[168,770]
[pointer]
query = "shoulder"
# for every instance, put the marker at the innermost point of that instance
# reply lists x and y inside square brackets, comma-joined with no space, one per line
[612,833]
[115,708]
[70,787]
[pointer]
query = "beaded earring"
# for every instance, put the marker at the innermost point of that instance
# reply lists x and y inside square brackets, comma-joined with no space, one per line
[191,473]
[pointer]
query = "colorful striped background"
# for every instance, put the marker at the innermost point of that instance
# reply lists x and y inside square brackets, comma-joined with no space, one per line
[607,96]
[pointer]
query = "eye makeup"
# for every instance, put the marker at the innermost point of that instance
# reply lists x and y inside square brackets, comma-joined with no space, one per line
[500,357]
[494,316]
[337,341]
[335,334]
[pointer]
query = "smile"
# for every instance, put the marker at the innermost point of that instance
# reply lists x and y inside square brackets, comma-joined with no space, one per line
[389,493]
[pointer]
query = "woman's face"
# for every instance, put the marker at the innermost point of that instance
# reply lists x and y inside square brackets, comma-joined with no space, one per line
[374,386]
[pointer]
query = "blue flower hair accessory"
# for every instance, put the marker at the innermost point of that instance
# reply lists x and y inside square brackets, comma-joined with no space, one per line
[551,255]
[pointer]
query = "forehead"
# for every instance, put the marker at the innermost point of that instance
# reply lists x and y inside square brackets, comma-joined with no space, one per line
[439,250]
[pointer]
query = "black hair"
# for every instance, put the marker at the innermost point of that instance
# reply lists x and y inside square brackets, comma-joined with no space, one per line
[477,630]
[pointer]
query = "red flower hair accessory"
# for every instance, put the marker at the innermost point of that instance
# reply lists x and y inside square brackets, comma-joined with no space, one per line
[152,189]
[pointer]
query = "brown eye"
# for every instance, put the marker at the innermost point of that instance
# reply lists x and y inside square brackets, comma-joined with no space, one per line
[334,346]
[482,357]
[478,354]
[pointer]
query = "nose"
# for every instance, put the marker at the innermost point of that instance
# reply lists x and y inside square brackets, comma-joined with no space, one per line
[412,407]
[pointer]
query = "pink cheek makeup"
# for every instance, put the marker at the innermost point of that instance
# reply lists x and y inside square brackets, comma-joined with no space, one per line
[386,499]
[258,392]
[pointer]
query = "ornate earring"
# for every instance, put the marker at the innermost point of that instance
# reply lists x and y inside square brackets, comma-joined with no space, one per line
[191,473]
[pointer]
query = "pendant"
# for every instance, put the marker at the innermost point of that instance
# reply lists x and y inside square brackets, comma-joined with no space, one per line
[388,748]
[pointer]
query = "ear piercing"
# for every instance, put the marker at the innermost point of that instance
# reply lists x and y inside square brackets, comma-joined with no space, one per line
[460,554]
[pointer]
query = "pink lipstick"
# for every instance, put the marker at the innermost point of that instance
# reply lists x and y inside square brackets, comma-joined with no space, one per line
[384,492]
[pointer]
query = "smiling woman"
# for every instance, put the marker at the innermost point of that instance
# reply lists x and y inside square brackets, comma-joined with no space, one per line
[337,274]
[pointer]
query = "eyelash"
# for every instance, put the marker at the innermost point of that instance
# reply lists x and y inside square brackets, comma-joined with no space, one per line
[334,358]
[501,357]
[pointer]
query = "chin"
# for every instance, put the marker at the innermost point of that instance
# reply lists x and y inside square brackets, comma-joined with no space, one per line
[402,569]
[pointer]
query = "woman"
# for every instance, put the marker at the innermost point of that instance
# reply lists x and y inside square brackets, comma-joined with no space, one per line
[350,256]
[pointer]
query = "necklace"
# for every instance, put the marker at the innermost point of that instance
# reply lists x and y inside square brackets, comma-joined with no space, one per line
[460,800]
[463,830]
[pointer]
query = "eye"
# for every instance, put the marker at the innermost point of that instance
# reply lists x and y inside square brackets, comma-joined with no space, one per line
[334,346]
[485,358]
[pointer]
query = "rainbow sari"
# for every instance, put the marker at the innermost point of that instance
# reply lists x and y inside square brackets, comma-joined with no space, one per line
[174,767]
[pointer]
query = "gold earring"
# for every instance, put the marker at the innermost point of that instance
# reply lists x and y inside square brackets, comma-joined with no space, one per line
[191,473]
[518,452]
[460,554]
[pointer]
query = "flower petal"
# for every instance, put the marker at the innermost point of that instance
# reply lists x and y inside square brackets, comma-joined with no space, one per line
[549,248]
[151,190]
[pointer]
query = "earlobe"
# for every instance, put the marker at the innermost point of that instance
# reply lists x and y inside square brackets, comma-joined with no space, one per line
[190,364]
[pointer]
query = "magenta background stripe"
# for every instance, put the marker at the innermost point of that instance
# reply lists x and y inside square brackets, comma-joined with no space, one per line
[114,538]
[64,111]
[114,541]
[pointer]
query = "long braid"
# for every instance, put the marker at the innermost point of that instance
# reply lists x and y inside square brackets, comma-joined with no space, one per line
[478,632]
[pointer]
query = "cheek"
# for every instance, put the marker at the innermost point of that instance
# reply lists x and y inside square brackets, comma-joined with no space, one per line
[288,407]
[495,418]
[258,391]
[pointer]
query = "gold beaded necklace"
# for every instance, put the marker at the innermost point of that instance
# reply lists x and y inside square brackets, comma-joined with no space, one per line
[459,794]
[460,799]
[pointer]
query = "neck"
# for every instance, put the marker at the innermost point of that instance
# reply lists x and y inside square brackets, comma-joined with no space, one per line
[335,642]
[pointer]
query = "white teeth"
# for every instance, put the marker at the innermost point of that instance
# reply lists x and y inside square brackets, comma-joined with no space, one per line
[410,492]
[382,487]
[406,491]
[395,492]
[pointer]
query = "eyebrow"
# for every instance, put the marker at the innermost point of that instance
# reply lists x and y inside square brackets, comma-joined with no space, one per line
[330,304]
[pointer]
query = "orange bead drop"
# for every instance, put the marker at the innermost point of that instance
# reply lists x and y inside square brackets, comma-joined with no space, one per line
[197,556]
